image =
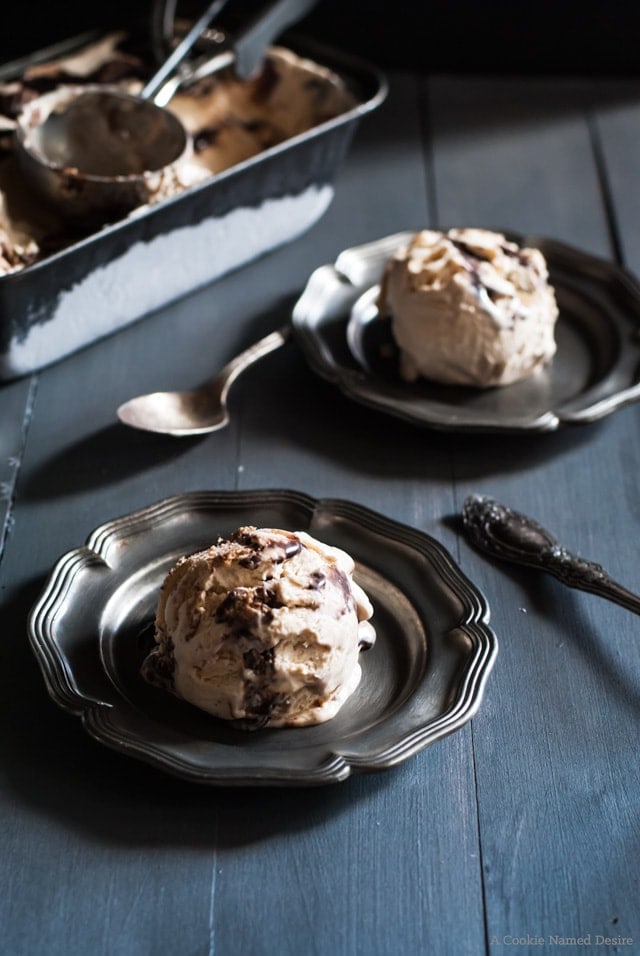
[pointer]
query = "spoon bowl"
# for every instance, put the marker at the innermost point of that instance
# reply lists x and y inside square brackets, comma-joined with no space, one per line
[200,410]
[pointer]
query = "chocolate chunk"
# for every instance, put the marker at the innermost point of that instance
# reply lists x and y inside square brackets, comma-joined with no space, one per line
[158,669]
[116,70]
[268,597]
[265,82]
[317,580]
[260,662]
[276,549]
[205,138]
[14,98]
[468,251]
[340,580]
[258,704]
[243,609]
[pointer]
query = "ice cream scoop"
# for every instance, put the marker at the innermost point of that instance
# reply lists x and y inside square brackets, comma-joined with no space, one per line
[469,307]
[264,627]
[98,151]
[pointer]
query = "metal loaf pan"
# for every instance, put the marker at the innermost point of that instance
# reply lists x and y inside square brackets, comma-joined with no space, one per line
[126,270]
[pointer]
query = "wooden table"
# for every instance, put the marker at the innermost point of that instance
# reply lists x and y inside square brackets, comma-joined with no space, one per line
[521,831]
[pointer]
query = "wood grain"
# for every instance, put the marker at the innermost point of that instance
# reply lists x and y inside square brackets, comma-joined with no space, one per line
[525,822]
[552,742]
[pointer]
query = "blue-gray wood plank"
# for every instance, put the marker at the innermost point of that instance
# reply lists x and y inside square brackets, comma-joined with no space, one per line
[523,823]
[558,785]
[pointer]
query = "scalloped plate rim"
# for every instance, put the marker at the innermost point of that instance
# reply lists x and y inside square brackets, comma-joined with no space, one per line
[360,386]
[96,715]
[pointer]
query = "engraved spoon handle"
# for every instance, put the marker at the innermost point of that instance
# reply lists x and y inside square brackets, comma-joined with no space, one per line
[512,536]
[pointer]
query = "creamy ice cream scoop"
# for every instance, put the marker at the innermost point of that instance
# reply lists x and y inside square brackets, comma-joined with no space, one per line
[264,627]
[469,307]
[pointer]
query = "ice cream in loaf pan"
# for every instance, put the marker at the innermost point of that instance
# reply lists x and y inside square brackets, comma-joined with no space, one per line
[229,121]
[469,307]
[264,627]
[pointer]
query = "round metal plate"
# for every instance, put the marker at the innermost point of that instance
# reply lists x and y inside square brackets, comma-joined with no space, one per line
[596,369]
[423,679]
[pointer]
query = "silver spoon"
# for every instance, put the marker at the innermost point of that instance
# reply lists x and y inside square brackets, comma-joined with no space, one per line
[199,410]
[512,536]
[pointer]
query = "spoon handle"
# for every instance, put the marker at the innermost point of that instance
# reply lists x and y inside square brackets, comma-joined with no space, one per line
[154,85]
[227,376]
[512,536]
[251,43]
[248,45]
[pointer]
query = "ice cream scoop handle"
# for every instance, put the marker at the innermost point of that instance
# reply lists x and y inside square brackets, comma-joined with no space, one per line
[512,536]
[240,363]
[155,84]
[250,45]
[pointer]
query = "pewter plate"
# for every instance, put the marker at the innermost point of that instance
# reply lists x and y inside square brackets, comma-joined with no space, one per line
[423,679]
[595,371]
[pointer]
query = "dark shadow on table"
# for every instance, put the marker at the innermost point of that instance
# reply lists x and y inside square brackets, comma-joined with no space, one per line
[281,398]
[116,452]
[313,413]
[102,458]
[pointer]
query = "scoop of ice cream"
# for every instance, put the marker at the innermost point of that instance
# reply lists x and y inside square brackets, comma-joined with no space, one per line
[469,307]
[265,627]
[17,248]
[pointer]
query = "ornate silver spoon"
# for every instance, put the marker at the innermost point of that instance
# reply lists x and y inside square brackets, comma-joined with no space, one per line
[512,536]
